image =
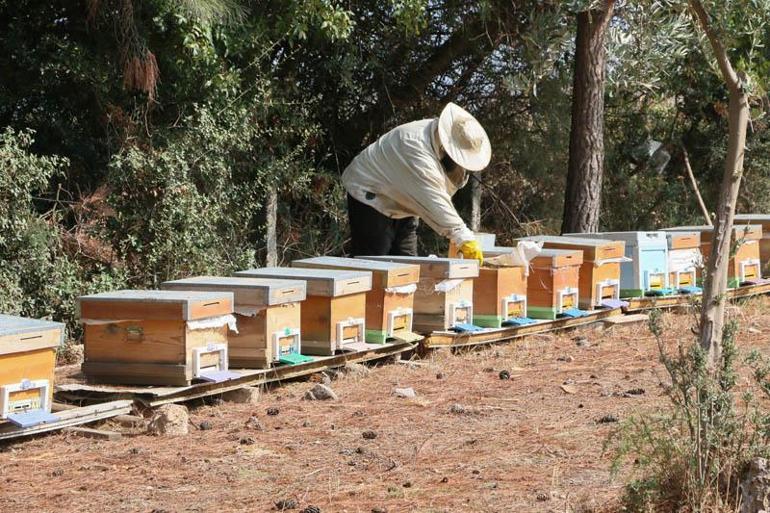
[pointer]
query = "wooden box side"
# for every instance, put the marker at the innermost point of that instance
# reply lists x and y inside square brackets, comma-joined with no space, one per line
[252,346]
[31,365]
[201,338]
[30,341]
[146,340]
[684,240]
[540,287]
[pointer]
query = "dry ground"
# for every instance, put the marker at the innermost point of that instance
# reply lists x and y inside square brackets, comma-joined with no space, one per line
[523,444]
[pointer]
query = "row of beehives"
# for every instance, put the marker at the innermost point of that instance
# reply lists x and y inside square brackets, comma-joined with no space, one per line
[322,305]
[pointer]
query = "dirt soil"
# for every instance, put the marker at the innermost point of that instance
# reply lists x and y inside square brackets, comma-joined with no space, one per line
[469,442]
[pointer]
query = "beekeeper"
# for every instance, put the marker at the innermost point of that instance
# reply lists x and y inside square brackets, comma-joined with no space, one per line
[411,173]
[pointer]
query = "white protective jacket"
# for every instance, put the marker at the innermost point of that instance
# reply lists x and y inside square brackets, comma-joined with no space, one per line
[403,171]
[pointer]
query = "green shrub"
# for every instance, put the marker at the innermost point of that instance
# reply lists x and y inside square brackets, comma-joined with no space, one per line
[689,457]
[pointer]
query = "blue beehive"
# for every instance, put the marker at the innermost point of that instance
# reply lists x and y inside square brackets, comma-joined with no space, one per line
[647,271]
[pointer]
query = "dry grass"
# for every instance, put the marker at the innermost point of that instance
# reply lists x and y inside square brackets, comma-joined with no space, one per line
[522,444]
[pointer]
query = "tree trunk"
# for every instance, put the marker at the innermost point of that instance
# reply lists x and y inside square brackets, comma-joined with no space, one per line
[582,201]
[271,222]
[713,310]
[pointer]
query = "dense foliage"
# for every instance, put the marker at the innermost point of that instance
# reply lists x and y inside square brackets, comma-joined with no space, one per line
[141,136]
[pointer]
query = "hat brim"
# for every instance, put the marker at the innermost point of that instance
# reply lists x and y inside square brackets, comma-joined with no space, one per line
[467,159]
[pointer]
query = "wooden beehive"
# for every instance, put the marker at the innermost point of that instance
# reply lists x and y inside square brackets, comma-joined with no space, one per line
[333,316]
[646,270]
[553,283]
[444,295]
[599,284]
[744,265]
[764,242]
[27,362]
[156,337]
[390,302]
[268,315]
[684,260]
[499,292]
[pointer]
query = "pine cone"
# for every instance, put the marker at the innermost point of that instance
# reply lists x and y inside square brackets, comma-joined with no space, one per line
[311,509]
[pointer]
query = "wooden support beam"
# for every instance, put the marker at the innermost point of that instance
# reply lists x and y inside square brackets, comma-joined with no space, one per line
[96,434]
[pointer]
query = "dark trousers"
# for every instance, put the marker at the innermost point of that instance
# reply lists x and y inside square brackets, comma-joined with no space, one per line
[374,234]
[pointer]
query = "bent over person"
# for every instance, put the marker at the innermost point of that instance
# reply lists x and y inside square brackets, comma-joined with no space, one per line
[411,173]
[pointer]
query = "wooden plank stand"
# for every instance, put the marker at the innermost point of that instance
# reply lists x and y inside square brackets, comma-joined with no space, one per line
[599,284]
[27,362]
[156,337]
[390,302]
[444,295]
[333,317]
[267,313]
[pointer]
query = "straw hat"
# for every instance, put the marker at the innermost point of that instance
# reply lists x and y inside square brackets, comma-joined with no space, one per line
[463,138]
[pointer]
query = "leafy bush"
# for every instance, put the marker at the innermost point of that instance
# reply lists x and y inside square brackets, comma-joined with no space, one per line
[690,457]
[37,277]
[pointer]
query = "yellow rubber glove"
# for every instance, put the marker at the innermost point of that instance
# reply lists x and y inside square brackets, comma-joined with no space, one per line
[471,250]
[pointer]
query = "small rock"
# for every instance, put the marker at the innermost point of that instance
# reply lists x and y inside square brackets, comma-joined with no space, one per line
[369,435]
[542,497]
[405,393]
[205,425]
[593,376]
[568,381]
[357,370]
[754,330]
[285,504]
[311,509]
[564,358]
[254,423]
[169,420]
[58,472]
[475,472]
[489,369]
[607,419]
[582,342]
[504,374]
[134,450]
[379,510]
[635,391]
[457,408]
[439,375]
[246,395]
[273,411]
[320,392]
[306,424]
[444,479]
[247,440]
[408,484]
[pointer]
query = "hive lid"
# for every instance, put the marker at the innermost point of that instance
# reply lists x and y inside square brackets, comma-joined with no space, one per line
[390,274]
[434,267]
[19,334]
[247,291]
[643,240]
[740,231]
[683,240]
[558,257]
[593,249]
[155,304]
[320,282]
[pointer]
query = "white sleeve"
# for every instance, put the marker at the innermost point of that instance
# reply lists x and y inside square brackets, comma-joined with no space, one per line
[424,192]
